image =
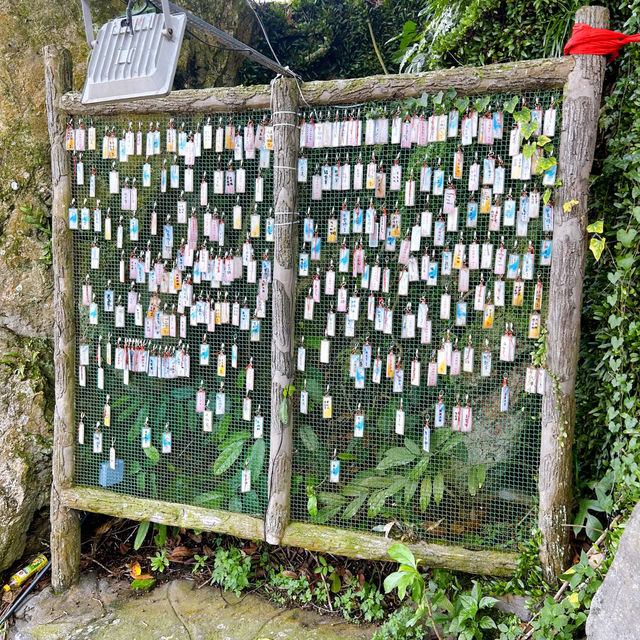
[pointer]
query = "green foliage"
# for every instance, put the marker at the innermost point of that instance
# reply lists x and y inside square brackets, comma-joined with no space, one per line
[160,561]
[466,616]
[451,33]
[143,584]
[200,563]
[396,626]
[323,39]
[402,473]
[40,221]
[232,570]
[141,534]
[470,619]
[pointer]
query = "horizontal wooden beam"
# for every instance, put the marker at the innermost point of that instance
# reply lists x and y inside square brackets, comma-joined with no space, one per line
[369,546]
[343,542]
[528,75]
[171,513]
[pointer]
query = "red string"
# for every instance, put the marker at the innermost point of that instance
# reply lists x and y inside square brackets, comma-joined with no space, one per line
[598,42]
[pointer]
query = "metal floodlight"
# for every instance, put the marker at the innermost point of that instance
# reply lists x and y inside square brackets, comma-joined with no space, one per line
[134,57]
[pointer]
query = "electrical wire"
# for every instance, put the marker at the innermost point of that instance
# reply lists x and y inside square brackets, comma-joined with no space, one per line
[255,13]
[213,46]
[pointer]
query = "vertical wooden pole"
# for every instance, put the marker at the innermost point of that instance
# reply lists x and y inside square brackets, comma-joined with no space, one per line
[65,525]
[580,112]
[284,100]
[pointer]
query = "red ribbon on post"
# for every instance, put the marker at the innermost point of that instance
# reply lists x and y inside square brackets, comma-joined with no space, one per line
[598,42]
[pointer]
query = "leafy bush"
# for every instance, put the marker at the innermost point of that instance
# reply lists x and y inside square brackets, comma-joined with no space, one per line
[232,570]
[396,626]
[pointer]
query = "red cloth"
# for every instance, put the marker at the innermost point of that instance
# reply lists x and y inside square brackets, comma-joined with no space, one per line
[598,42]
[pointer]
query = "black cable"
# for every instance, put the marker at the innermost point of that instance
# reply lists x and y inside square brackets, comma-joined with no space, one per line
[213,46]
[255,13]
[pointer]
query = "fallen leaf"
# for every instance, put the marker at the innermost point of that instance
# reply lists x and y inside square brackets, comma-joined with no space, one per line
[134,569]
[179,553]
[290,574]
[143,584]
[124,548]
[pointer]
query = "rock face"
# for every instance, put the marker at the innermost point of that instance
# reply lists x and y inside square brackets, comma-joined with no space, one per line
[25,439]
[26,294]
[615,607]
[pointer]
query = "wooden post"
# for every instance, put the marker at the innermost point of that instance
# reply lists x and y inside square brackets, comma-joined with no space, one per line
[65,525]
[580,112]
[285,199]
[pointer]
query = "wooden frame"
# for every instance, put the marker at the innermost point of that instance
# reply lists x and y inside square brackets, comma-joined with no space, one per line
[581,78]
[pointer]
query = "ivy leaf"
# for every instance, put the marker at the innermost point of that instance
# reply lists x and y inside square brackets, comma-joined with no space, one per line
[437,98]
[546,196]
[482,103]
[543,140]
[510,105]
[438,488]
[462,104]
[597,247]
[546,163]
[528,129]
[528,149]
[227,457]
[567,206]
[523,116]
[596,227]
[423,100]
[626,237]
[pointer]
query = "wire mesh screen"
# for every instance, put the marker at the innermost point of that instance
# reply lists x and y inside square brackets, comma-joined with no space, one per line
[422,280]
[172,229]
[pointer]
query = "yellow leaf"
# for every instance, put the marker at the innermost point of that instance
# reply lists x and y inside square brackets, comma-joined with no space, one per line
[597,247]
[567,206]
[596,227]
[573,599]
[135,569]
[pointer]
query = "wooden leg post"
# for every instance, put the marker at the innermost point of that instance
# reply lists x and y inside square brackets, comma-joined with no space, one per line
[580,112]
[65,525]
[285,198]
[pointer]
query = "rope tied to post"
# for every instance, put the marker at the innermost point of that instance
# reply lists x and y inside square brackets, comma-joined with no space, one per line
[588,40]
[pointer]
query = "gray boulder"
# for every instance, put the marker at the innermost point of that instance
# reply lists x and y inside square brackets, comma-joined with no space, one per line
[615,607]
[25,439]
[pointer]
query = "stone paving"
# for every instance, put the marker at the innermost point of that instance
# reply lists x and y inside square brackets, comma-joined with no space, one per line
[103,609]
